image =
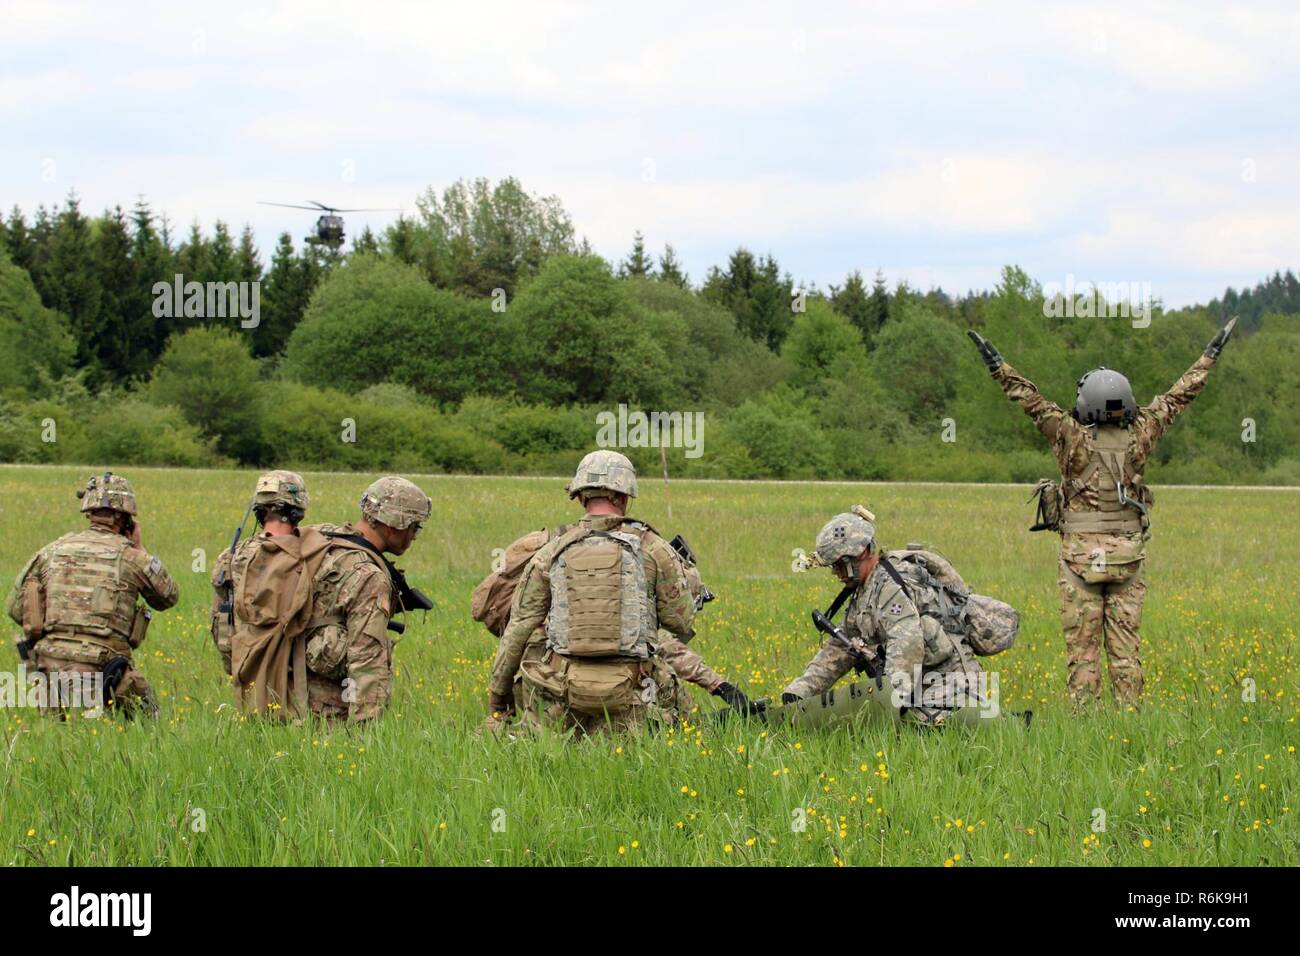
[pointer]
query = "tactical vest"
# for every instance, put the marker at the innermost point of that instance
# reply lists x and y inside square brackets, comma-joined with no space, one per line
[1109,475]
[601,605]
[86,592]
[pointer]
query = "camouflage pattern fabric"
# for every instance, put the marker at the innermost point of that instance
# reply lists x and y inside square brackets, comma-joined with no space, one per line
[1101,573]
[108,491]
[396,502]
[349,648]
[631,694]
[604,471]
[281,488]
[88,584]
[668,596]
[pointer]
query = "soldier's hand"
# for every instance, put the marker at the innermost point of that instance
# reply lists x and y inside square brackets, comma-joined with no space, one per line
[1219,341]
[735,698]
[500,705]
[789,698]
[992,357]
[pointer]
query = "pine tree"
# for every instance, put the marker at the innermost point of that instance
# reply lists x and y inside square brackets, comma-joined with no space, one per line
[366,242]
[637,264]
[117,281]
[72,286]
[221,250]
[248,264]
[670,270]
[286,291]
[879,312]
[152,262]
[852,302]
[22,246]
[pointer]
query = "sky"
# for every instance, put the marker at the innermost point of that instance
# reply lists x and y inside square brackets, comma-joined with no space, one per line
[1115,142]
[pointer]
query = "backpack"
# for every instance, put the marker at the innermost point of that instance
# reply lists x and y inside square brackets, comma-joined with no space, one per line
[273,604]
[491,600]
[1051,502]
[601,605]
[988,626]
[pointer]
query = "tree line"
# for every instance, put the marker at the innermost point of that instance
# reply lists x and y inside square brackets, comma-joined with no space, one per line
[482,334]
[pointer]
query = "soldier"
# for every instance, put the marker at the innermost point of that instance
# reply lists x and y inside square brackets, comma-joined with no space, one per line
[604,589]
[900,613]
[491,605]
[1102,447]
[77,602]
[335,632]
[279,505]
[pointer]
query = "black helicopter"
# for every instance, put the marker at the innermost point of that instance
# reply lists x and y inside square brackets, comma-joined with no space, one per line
[329,227]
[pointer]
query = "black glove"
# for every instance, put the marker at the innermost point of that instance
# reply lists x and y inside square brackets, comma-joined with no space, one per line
[25,649]
[735,698]
[1219,341]
[992,357]
[789,698]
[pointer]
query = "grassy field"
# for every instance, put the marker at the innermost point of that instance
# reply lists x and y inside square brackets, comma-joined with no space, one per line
[1200,776]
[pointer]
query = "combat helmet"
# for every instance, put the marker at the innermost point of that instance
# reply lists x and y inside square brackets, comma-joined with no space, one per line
[283,492]
[843,539]
[396,502]
[107,491]
[1105,398]
[604,470]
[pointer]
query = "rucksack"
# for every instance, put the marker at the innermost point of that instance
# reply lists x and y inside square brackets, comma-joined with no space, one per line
[491,600]
[601,606]
[989,626]
[273,601]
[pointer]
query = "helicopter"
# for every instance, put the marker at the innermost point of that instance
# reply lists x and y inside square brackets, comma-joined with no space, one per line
[329,227]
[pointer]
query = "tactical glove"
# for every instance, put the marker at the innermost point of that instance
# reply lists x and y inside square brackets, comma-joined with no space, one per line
[502,705]
[789,698]
[1219,341]
[735,698]
[992,357]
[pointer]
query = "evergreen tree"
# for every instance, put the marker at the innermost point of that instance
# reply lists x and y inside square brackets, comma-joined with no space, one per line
[878,314]
[286,291]
[637,264]
[152,263]
[72,287]
[852,302]
[22,245]
[366,243]
[248,264]
[115,275]
[670,270]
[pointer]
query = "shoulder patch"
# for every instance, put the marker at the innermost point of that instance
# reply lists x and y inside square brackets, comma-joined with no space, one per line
[155,566]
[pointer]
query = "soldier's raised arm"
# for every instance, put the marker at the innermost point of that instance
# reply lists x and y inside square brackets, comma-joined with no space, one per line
[687,664]
[1154,420]
[1048,417]
[157,587]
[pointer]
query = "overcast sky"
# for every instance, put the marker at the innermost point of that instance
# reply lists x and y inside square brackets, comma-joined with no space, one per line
[1143,142]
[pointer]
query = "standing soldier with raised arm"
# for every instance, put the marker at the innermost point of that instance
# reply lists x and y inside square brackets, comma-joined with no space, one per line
[1101,508]
[77,602]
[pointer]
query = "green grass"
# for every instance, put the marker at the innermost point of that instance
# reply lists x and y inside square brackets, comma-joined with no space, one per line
[1204,776]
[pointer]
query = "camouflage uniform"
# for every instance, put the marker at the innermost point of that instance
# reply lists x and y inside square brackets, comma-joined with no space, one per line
[1103,544]
[282,488]
[592,695]
[882,614]
[77,597]
[349,649]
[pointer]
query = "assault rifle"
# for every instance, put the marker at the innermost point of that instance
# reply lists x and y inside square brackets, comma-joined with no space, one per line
[408,598]
[227,605]
[684,551]
[869,660]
